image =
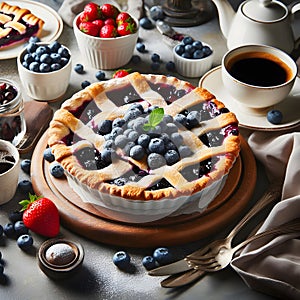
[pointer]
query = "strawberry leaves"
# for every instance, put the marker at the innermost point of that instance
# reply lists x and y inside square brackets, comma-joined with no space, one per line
[25,203]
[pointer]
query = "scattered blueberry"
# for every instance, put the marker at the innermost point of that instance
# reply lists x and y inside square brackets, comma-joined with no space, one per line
[1,233]
[170,66]
[156,13]
[9,230]
[25,165]
[140,47]
[1,268]
[149,262]
[274,116]
[162,255]
[26,186]
[155,57]
[48,156]
[20,228]
[135,59]
[25,242]
[85,83]
[56,170]
[155,65]
[121,259]
[100,75]
[146,23]
[15,216]
[79,68]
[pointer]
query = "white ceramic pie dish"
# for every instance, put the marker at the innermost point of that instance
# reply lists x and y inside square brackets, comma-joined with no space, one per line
[141,211]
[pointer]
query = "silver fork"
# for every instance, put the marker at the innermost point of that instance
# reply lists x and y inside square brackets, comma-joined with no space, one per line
[271,195]
[220,258]
[224,257]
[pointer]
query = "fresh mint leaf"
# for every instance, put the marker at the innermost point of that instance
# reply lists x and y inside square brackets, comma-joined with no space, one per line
[155,118]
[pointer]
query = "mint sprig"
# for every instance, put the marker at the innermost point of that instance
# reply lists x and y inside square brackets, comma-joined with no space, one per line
[155,118]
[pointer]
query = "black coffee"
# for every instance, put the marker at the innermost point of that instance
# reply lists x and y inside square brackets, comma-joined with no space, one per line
[6,161]
[260,71]
[4,167]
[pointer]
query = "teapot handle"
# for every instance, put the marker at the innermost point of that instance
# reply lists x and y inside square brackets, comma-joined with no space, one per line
[294,7]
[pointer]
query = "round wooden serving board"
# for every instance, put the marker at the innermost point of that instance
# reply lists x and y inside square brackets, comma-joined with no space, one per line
[84,219]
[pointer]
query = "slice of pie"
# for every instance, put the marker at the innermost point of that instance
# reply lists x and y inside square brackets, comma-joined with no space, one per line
[17,25]
[144,138]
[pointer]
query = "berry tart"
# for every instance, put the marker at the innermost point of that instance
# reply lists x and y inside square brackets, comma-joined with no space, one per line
[17,25]
[143,147]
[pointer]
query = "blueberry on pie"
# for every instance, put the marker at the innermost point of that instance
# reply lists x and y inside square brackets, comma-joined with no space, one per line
[143,138]
[17,25]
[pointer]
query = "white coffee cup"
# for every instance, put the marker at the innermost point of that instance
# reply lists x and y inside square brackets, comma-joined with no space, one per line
[246,68]
[9,179]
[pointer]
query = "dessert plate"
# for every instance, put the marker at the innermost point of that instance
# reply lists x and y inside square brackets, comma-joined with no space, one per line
[251,118]
[52,28]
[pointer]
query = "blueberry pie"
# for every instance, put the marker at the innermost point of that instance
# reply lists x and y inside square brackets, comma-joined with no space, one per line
[17,25]
[144,138]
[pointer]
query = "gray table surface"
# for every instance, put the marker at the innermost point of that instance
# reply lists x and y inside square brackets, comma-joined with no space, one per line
[98,277]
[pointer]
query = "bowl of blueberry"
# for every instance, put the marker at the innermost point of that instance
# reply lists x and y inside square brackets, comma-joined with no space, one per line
[192,58]
[45,70]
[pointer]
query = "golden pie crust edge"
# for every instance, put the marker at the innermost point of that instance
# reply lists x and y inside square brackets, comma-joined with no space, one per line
[63,120]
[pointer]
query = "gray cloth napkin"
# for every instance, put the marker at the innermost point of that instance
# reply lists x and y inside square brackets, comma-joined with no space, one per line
[70,8]
[272,265]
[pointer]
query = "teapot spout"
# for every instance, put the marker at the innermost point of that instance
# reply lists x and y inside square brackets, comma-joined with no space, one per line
[226,15]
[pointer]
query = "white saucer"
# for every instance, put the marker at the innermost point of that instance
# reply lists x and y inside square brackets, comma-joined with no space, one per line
[52,28]
[250,118]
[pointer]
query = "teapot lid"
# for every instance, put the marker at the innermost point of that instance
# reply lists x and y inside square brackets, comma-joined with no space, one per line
[264,10]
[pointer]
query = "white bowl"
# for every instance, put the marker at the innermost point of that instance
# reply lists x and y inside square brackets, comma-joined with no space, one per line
[48,86]
[9,179]
[192,67]
[105,53]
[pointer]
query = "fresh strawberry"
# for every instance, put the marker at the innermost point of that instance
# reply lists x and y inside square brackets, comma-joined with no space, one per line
[99,23]
[92,11]
[89,28]
[41,216]
[83,17]
[109,11]
[121,73]
[126,28]
[110,21]
[124,17]
[108,31]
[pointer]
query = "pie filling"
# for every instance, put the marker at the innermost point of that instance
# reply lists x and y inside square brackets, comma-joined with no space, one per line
[17,25]
[129,137]
[15,36]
